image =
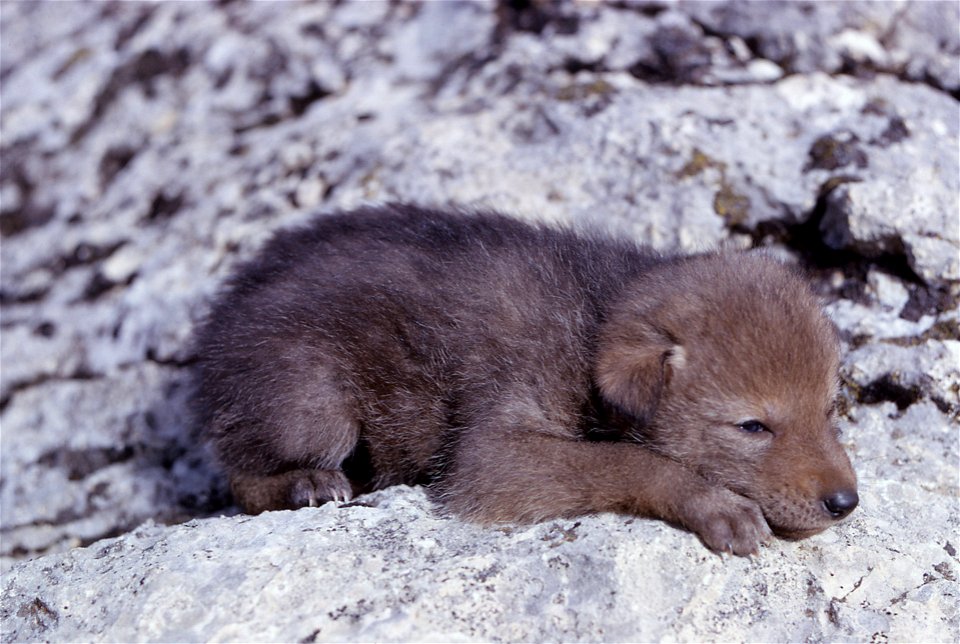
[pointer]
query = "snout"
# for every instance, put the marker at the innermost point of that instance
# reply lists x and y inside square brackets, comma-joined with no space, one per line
[813,516]
[840,503]
[811,494]
[817,515]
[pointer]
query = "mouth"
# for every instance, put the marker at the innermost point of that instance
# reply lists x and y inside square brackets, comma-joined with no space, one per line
[795,534]
[791,533]
[795,530]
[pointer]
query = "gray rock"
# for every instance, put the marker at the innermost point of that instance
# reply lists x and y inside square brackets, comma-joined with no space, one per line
[149,148]
[913,209]
[441,35]
[916,40]
[111,451]
[389,569]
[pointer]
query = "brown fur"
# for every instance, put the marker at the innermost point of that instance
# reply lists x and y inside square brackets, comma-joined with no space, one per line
[525,373]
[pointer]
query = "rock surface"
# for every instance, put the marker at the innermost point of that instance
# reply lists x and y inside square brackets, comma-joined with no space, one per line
[390,569]
[148,148]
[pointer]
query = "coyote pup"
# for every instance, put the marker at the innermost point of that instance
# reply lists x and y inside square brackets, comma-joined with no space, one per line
[525,372]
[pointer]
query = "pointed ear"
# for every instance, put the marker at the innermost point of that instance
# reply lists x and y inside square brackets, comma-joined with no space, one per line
[633,368]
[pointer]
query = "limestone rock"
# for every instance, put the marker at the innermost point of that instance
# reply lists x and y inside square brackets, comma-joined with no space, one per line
[387,568]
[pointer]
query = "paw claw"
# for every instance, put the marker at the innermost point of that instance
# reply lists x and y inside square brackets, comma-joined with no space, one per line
[313,488]
[727,523]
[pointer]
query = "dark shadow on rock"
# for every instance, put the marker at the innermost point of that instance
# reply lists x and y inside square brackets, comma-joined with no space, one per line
[188,479]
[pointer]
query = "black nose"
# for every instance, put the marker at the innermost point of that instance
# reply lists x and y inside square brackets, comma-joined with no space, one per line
[841,503]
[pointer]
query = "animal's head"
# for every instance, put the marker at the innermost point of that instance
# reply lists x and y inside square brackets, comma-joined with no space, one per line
[729,366]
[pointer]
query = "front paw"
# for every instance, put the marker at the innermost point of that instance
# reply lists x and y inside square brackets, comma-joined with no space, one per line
[725,521]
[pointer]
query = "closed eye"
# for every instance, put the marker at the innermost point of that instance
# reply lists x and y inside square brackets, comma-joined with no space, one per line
[753,426]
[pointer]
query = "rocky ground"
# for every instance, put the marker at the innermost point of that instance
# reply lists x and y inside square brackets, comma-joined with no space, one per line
[147,148]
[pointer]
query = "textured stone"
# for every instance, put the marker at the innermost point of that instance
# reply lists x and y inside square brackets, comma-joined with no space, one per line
[389,569]
[911,38]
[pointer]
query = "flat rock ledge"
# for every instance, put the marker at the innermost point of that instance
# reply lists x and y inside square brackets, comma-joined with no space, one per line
[388,568]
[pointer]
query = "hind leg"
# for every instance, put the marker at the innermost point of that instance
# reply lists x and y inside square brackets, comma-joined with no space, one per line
[290,490]
[284,441]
